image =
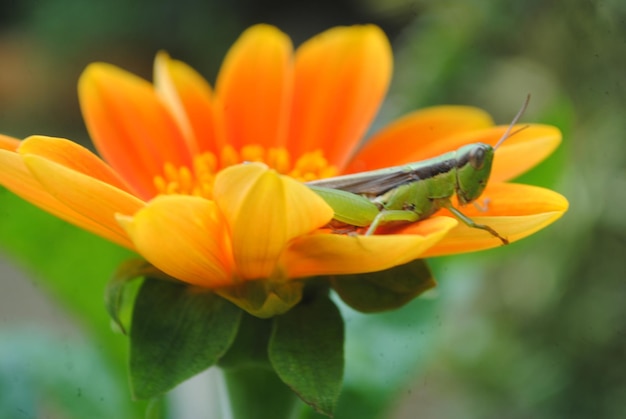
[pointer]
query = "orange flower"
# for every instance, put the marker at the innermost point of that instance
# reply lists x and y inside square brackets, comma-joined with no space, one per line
[170,186]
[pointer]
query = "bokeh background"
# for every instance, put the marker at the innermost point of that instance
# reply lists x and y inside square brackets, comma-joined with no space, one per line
[537,329]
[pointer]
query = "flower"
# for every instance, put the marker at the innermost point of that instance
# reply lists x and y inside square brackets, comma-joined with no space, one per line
[170,186]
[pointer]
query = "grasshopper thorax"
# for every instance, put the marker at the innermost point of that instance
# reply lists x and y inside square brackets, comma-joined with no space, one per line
[473,167]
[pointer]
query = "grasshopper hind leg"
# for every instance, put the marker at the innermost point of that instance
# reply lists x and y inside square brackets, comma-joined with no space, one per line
[471,223]
[389,216]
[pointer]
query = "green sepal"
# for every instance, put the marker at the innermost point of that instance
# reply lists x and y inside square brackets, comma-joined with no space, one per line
[264,299]
[306,351]
[384,290]
[177,332]
[117,289]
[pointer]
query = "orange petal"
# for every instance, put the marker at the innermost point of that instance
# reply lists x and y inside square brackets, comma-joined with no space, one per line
[189,98]
[254,87]
[524,150]
[92,198]
[328,254]
[8,143]
[184,236]
[341,78]
[15,176]
[130,126]
[417,136]
[265,211]
[513,210]
[72,156]
[528,146]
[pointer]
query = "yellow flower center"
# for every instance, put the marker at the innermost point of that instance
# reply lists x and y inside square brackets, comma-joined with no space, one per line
[198,179]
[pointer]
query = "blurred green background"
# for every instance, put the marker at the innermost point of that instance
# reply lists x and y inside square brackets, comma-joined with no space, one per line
[537,329]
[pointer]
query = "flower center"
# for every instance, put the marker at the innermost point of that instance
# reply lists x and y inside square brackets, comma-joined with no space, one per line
[198,179]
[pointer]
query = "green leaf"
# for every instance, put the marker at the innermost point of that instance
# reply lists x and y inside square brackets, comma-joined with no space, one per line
[306,351]
[384,290]
[116,289]
[177,331]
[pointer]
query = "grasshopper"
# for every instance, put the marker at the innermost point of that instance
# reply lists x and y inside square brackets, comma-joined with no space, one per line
[414,191]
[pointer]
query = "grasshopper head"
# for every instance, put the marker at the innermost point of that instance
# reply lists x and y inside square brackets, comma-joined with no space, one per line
[473,170]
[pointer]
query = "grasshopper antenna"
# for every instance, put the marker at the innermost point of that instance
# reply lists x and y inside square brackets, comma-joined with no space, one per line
[507,133]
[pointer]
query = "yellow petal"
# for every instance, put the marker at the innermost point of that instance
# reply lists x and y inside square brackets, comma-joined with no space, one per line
[92,198]
[504,199]
[342,76]
[183,236]
[189,98]
[72,156]
[515,211]
[265,211]
[254,88]
[8,143]
[15,176]
[413,137]
[328,254]
[130,126]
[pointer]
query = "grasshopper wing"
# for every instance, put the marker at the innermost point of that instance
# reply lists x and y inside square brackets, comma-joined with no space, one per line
[372,183]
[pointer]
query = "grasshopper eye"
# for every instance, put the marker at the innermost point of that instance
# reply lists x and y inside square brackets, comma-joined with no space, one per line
[477,158]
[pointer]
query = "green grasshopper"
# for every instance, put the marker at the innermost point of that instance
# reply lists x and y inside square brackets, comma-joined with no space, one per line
[415,191]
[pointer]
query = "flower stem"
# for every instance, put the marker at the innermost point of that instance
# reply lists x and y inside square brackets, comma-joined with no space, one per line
[256,392]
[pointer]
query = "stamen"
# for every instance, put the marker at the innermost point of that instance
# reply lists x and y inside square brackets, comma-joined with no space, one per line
[229,156]
[198,179]
[253,153]
[312,166]
[278,158]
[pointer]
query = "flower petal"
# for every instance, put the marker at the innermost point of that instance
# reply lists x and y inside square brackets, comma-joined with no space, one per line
[534,142]
[513,210]
[254,88]
[412,137]
[341,78]
[16,177]
[8,143]
[189,99]
[130,126]
[72,156]
[265,211]
[334,254]
[183,236]
[92,198]
[524,150]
